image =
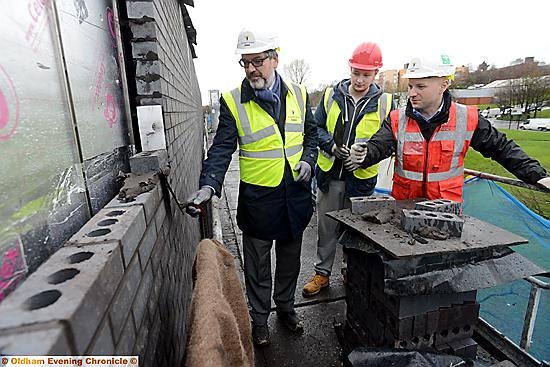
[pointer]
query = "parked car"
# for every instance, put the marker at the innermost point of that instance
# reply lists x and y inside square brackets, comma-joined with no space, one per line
[536,124]
[491,113]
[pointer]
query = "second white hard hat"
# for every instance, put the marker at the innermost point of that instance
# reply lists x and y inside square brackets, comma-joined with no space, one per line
[250,42]
[424,67]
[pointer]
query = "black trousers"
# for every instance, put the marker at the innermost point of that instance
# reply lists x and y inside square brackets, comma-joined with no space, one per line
[257,273]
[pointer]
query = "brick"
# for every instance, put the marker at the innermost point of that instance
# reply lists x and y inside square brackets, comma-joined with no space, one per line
[123,225]
[142,337]
[440,205]
[465,348]
[146,246]
[127,340]
[160,215]
[419,325]
[142,296]
[412,220]
[54,293]
[50,340]
[364,204]
[124,298]
[103,344]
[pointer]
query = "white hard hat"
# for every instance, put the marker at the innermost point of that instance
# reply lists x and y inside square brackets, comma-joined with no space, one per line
[425,68]
[250,42]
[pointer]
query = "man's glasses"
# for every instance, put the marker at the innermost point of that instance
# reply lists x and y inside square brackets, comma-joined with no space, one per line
[255,62]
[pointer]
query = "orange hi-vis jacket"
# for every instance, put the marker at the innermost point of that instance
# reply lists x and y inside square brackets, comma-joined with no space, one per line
[432,169]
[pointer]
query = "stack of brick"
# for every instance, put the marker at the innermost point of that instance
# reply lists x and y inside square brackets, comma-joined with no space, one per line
[432,322]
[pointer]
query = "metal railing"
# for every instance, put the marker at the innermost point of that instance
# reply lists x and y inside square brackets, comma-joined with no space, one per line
[532,308]
[506,180]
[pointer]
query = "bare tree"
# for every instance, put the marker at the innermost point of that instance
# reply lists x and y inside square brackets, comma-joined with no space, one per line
[297,71]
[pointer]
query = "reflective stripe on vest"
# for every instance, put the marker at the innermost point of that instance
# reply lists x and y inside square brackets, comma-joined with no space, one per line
[366,127]
[458,137]
[261,156]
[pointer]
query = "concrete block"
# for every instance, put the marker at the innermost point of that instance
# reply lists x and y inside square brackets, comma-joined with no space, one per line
[364,204]
[148,88]
[144,31]
[140,9]
[412,220]
[440,205]
[75,286]
[135,187]
[148,69]
[50,341]
[147,162]
[145,51]
[123,225]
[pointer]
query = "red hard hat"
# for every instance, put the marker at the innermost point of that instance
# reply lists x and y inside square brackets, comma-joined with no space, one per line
[367,56]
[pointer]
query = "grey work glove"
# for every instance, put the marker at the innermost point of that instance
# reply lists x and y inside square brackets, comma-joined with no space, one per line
[544,182]
[358,153]
[340,152]
[304,171]
[195,203]
[349,165]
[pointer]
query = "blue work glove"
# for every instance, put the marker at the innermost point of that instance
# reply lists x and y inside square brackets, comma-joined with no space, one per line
[304,171]
[195,203]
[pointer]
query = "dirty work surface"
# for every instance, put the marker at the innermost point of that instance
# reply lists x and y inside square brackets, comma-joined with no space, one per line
[476,235]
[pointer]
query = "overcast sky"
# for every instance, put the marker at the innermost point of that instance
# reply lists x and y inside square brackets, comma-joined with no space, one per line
[325,33]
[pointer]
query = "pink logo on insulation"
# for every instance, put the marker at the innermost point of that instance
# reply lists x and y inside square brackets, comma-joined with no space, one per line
[9,106]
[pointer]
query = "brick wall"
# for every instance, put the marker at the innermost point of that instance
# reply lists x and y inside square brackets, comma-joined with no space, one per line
[122,284]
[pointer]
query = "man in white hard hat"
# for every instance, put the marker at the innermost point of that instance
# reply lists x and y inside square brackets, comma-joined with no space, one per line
[349,112]
[430,138]
[271,121]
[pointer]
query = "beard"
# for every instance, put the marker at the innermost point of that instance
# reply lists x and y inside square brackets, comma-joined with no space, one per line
[260,82]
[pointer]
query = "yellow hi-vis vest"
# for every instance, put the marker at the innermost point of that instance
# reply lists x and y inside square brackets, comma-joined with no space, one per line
[261,152]
[369,124]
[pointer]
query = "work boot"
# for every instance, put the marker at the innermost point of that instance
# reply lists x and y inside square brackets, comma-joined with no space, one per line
[260,335]
[315,285]
[291,321]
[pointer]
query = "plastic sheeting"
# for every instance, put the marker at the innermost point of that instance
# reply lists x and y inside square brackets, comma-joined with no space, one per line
[63,128]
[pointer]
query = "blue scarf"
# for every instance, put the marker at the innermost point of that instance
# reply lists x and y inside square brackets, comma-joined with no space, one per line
[271,96]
